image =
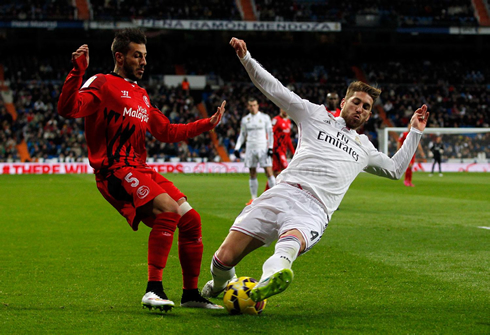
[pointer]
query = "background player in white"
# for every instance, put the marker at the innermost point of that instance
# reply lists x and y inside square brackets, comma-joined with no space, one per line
[329,156]
[256,130]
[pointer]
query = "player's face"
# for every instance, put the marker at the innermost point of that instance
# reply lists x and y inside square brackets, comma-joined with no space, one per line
[356,110]
[283,114]
[253,107]
[332,101]
[135,61]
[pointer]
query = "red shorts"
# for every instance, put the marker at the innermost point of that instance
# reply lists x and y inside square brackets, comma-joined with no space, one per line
[128,188]
[279,161]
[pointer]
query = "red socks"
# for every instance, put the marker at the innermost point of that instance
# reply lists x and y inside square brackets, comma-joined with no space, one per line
[160,242]
[408,175]
[190,248]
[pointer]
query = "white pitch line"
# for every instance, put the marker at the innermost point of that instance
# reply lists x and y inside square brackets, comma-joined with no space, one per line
[482,227]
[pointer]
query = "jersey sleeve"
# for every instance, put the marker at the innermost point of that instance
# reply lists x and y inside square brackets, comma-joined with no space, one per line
[394,167]
[75,102]
[296,107]
[164,131]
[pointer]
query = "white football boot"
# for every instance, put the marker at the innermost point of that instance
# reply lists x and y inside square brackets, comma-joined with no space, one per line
[208,289]
[151,300]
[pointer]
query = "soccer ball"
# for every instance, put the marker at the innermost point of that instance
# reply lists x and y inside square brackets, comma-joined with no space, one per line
[237,297]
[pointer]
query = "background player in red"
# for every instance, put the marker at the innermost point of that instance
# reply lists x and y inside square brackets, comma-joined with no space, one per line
[408,173]
[281,127]
[333,103]
[118,114]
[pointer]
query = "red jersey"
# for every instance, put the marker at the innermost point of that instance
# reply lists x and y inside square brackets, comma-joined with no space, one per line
[118,113]
[402,139]
[281,127]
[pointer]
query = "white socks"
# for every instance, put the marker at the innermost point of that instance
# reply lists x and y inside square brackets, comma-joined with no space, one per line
[221,273]
[254,187]
[286,251]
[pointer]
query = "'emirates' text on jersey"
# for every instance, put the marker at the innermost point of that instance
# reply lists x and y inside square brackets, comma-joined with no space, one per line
[329,156]
[257,131]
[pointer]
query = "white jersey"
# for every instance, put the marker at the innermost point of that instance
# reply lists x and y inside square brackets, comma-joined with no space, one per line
[257,131]
[329,156]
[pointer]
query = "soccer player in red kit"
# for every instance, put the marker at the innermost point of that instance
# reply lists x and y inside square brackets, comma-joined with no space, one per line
[281,128]
[118,114]
[408,172]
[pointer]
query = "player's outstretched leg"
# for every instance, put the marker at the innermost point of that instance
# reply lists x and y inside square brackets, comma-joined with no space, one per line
[222,275]
[193,299]
[156,298]
[276,271]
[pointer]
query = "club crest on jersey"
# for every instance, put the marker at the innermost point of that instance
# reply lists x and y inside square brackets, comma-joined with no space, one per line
[125,94]
[358,140]
[147,102]
[143,191]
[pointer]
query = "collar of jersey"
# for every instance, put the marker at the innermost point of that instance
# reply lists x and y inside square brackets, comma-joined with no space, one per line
[127,79]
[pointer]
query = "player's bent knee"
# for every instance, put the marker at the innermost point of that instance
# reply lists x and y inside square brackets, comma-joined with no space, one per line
[164,203]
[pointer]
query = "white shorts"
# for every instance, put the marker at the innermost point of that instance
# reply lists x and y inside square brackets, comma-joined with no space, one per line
[280,209]
[253,157]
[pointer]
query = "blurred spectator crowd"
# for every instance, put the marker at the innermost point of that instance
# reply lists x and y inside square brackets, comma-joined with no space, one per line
[458,95]
[384,12]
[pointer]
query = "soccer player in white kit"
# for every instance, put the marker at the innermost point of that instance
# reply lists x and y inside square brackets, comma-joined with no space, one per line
[256,130]
[329,156]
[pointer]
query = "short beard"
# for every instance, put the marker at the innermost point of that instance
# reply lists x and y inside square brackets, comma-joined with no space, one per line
[130,73]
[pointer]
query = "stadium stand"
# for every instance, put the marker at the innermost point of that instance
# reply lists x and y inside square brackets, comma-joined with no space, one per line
[455,86]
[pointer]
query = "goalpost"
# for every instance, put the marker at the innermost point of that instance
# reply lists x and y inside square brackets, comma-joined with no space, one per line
[461,145]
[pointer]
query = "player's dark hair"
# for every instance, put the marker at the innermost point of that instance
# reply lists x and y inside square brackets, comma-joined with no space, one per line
[359,86]
[124,37]
[252,99]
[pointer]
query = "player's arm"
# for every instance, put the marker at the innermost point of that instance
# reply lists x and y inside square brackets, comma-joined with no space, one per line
[394,167]
[270,134]
[73,103]
[272,88]
[242,136]
[164,131]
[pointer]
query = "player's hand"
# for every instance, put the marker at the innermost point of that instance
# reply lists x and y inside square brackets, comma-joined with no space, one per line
[240,46]
[80,58]
[217,116]
[269,152]
[420,118]
[237,153]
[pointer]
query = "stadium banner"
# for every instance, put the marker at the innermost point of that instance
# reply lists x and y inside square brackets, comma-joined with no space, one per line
[42,24]
[469,30]
[222,25]
[193,167]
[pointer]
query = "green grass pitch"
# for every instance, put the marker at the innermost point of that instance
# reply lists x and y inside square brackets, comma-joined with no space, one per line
[394,260]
